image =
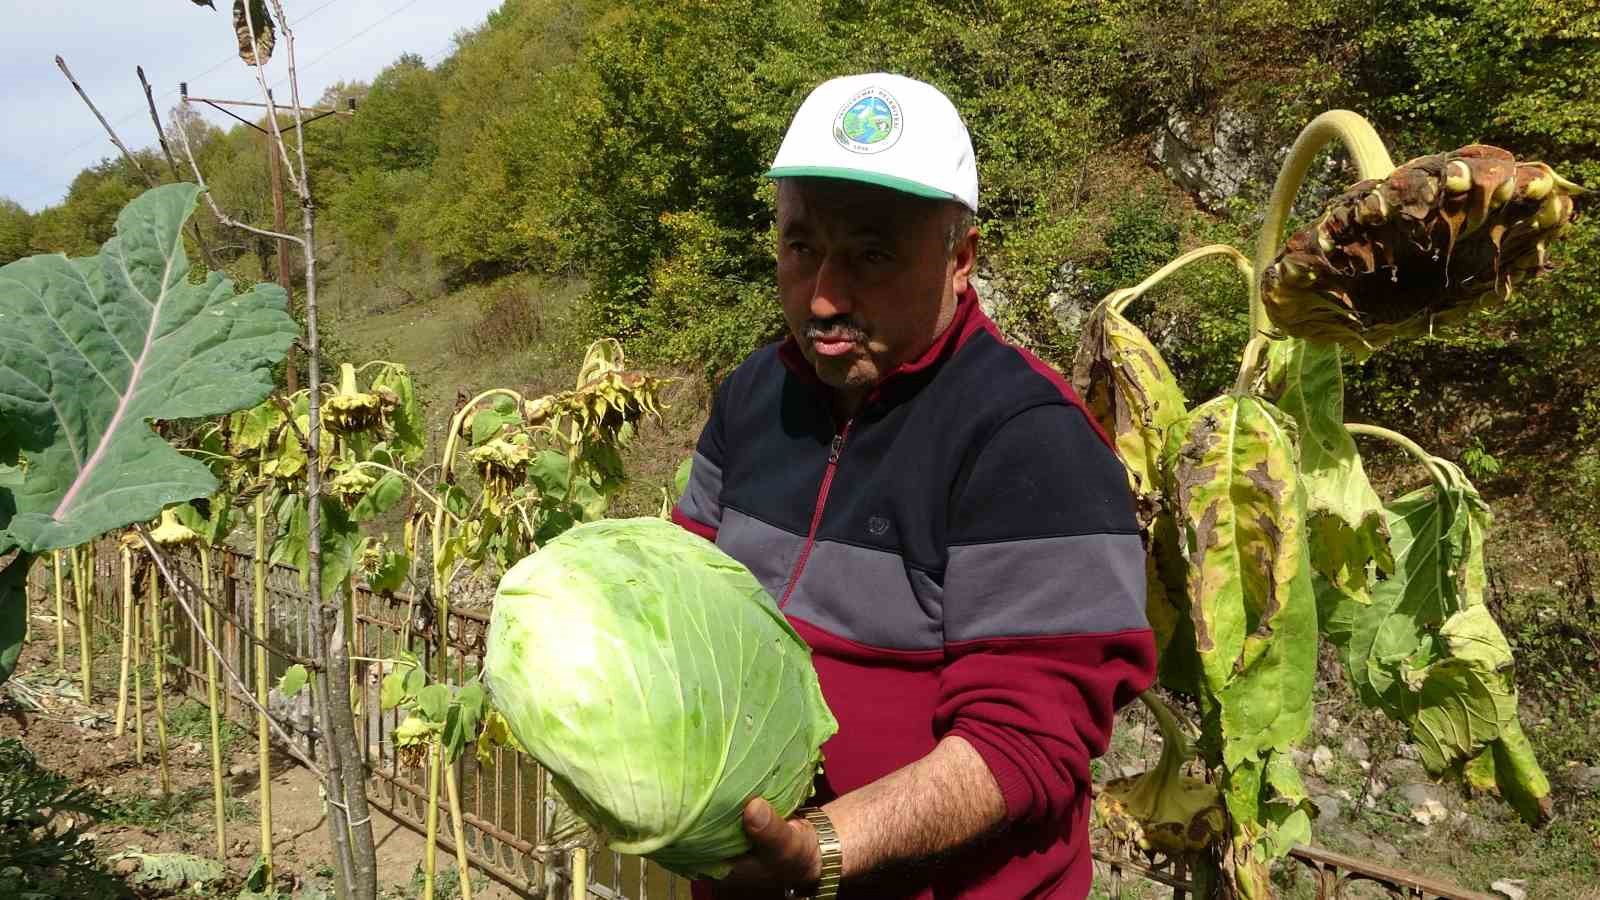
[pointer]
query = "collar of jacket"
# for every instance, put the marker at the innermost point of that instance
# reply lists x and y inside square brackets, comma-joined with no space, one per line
[969,319]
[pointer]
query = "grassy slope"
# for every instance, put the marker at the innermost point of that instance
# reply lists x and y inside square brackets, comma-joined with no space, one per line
[447,343]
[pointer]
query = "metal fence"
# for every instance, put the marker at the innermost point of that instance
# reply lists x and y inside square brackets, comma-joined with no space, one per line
[504,799]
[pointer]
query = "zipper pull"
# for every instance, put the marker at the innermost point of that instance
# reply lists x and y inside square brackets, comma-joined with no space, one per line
[838,444]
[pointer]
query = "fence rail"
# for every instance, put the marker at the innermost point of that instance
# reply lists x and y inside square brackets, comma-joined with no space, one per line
[505,803]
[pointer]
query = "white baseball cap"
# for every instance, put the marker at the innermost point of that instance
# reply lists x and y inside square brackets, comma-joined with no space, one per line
[882,129]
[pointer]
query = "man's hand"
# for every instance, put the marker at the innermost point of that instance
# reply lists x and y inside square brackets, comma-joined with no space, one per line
[784,853]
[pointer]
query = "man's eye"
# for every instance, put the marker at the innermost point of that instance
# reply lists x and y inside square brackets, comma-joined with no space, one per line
[875,257]
[799,247]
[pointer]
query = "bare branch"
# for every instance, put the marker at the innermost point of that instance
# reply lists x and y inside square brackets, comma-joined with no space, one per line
[224,218]
[148,178]
[294,97]
[181,586]
[166,150]
[259,67]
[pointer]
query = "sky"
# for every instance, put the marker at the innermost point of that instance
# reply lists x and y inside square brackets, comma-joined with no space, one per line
[50,135]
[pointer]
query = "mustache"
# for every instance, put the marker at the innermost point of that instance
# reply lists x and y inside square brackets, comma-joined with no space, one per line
[835,328]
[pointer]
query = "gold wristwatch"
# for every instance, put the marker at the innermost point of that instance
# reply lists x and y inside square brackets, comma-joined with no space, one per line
[831,851]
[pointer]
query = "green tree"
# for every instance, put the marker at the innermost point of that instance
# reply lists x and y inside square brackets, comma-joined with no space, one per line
[16,231]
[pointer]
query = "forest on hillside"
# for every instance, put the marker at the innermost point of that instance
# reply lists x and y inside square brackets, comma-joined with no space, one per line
[620,145]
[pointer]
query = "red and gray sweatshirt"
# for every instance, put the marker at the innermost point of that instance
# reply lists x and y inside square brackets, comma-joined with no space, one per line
[963,558]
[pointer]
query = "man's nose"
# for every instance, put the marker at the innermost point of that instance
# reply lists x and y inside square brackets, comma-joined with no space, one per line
[830,293]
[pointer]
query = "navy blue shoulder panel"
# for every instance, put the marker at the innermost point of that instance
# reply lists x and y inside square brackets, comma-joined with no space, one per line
[778,430]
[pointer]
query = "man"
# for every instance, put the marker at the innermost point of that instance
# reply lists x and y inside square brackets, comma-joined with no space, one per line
[937,516]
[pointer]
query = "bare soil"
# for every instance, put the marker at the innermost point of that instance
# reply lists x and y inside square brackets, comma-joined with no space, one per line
[76,740]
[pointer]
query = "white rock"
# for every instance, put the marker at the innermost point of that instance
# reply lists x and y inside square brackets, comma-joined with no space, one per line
[1512,888]
[1356,748]
[1429,812]
[1321,760]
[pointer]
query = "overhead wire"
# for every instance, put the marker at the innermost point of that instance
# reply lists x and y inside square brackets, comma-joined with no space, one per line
[234,57]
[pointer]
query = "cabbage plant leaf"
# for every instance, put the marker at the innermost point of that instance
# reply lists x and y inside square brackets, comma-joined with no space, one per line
[93,350]
[657,681]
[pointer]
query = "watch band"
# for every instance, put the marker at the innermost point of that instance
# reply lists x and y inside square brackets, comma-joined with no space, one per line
[831,851]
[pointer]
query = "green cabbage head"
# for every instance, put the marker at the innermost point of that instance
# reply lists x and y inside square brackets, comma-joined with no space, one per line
[659,684]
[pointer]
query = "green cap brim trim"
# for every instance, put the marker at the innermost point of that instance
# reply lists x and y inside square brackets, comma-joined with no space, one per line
[892,182]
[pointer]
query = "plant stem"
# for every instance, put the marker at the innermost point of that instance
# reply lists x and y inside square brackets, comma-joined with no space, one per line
[1372,161]
[431,848]
[453,794]
[158,662]
[61,612]
[263,739]
[138,688]
[1173,738]
[210,619]
[1406,444]
[580,873]
[126,558]
[81,588]
[1120,299]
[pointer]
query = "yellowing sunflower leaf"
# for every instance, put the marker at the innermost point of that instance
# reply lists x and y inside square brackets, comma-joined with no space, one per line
[1230,467]
[1346,515]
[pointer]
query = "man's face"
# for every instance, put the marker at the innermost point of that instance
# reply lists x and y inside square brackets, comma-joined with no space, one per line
[865,275]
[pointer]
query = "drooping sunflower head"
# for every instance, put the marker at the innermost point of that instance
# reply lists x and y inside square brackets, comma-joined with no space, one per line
[1439,237]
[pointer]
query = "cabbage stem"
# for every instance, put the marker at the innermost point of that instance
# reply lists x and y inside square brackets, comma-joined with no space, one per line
[82,590]
[431,850]
[453,794]
[138,687]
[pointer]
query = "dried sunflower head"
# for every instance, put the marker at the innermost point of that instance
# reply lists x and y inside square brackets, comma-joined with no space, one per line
[350,485]
[502,463]
[1436,239]
[351,410]
[171,532]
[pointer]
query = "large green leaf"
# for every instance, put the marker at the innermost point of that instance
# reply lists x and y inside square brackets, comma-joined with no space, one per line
[13,612]
[1428,652]
[1230,469]
[341,541]
[1346,516]
[93,350]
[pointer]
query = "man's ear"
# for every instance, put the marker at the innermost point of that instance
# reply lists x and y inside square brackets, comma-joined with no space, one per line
[963,259]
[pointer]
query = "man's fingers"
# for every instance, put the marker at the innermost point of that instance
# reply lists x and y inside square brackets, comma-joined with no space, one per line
[762,825]
[786,847]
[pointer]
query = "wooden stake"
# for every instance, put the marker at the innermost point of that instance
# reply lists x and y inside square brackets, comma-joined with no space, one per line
[61,612]
[80,587]
[158,661]
[263,740]
[126,558]
[218,807]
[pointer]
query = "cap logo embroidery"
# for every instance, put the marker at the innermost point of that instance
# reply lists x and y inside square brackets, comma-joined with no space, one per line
[868,122]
